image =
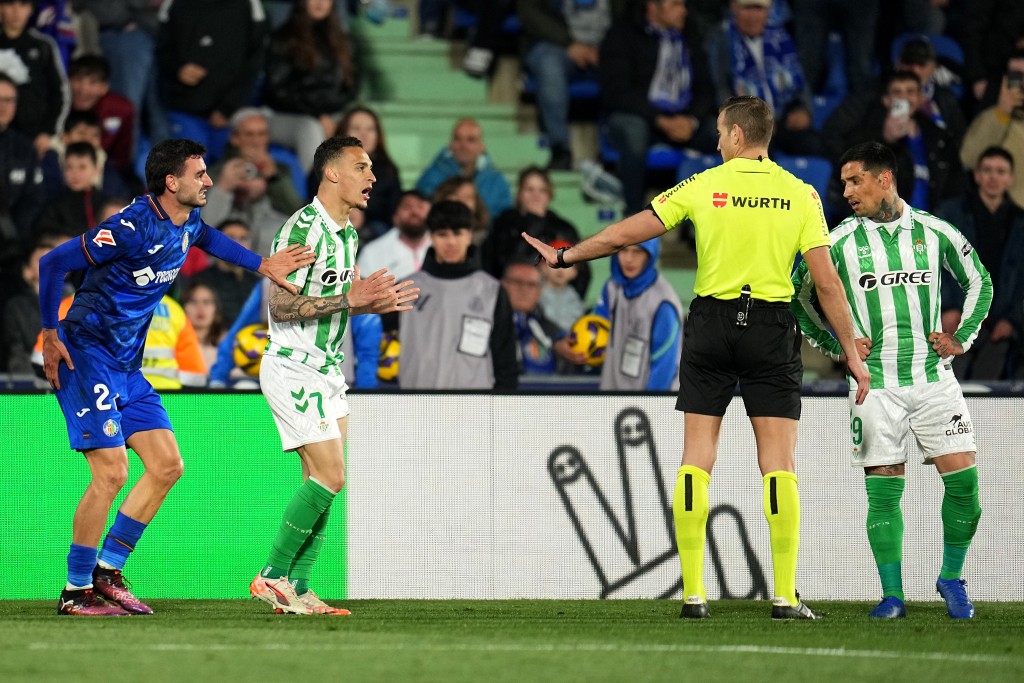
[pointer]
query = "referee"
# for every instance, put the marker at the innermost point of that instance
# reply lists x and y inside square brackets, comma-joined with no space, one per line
[751,219]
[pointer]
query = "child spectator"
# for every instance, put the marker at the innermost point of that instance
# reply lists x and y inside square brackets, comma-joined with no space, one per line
[79,206]
[646,317]
[21,321]
[562,303]
[89,77]
[85,126]
[203,311]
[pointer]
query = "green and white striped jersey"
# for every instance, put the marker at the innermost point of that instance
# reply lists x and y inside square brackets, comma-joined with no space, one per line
[891,274]
[316,343]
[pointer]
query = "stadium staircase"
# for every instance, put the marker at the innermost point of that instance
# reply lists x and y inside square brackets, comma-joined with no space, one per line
[419,91]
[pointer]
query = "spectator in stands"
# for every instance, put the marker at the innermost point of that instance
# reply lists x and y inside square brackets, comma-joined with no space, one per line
[466,157]
[542,347]
[21,321]
[21,180]
[460,335]
[55,18]
[463,190]
[928,166]
[1001,125]
[561,43]
[231,283]
[402,248]
[78,207]
[937,101]
[532,214]
[750,55]
[488,36]
[993,32]
[813,20]
[203,311]
[994,225]
[89,77]
[562,303]
[250,142]
[210,56]
[85,126]
[364,124]
[646,320]
[32,60]
[655,88]
[311,77]
[128,37]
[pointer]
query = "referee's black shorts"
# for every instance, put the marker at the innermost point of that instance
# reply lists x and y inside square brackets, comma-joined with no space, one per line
[763,357]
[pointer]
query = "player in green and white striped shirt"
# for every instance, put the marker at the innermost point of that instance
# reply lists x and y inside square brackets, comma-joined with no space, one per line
[301,373]
[890,257]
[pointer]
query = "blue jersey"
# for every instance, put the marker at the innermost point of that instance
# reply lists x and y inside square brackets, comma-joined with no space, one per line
[134,257]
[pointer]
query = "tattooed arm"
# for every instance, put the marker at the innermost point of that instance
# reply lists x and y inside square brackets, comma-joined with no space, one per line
[287,307]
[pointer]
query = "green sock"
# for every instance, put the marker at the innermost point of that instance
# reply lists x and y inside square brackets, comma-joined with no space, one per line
[302,565]
[961,513]
[885,530]
[303,511]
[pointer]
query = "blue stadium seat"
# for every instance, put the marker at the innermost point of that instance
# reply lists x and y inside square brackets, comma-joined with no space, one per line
[579,89]
[816,171]
[286,156]
[822,107]
[945,47]
[660,157]
[694,162]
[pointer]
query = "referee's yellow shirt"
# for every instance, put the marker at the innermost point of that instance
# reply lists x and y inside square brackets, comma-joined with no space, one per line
[751,219]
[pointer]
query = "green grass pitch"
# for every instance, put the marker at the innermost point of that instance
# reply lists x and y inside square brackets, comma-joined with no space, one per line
[527,640]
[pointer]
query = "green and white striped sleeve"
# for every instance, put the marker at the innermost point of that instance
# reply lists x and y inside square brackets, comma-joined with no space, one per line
[961,259]
[811,324]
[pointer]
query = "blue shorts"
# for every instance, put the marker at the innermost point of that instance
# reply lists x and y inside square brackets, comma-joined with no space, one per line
[103,406]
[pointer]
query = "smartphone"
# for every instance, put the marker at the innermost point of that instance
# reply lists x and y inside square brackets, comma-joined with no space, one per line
[1015,79]
[251,171]
[900,108]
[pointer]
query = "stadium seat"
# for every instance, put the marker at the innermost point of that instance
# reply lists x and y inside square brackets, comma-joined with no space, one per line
[660,157]
[816,171]
[945,47]
[694,162]
[579,89]
[822,107]
[286,156]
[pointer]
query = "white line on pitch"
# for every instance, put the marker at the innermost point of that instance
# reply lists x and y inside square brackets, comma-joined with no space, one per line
[541,647]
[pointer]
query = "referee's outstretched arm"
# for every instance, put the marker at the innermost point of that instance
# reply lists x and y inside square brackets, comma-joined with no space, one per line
[639,227]
[833,302]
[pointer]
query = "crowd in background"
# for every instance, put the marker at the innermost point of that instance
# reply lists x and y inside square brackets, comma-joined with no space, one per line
[87,86]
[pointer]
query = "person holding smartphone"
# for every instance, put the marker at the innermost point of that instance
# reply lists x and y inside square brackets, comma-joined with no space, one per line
[1001,125]
[928,165]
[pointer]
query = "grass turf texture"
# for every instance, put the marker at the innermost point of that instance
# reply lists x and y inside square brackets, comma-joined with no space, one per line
[528,640]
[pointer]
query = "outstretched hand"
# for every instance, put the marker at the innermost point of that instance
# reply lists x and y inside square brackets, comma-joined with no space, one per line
[285,262]
[546,251]
[400,299]
[377,289]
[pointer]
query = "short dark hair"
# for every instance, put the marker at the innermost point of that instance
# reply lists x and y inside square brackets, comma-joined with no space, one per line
[4,78]
[875,157]
[449,215]
[996,151]
[90,65]
[752,115]
[233,221]
[901,75]
[328,151]
[168,157]
[78,117]
[81,149]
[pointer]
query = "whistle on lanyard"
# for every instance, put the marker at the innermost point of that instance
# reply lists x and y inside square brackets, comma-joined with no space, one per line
[743,313]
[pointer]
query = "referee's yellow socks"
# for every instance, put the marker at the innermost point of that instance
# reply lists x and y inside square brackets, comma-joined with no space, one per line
[782,508]
[690,509]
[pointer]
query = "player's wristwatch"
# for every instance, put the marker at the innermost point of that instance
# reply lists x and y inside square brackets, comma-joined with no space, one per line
[560,257]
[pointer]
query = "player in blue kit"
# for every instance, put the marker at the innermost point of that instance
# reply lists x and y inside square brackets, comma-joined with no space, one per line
[92,360]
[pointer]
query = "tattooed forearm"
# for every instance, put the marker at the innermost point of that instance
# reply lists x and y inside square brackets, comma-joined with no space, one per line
[888,210]
[285,307]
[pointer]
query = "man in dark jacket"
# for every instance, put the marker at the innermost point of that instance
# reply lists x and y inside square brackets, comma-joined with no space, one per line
[561,42]
[210,53]
[994,226]
[21,182]
[655,87]
[927,154]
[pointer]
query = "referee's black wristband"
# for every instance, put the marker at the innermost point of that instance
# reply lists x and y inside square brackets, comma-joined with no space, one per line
[560,257]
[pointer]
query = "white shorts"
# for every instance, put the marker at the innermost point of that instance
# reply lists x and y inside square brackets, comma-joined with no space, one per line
[935,412]
[306,404]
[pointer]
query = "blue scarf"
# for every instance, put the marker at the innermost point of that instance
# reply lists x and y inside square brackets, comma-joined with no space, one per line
[780,81]
[670,90]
